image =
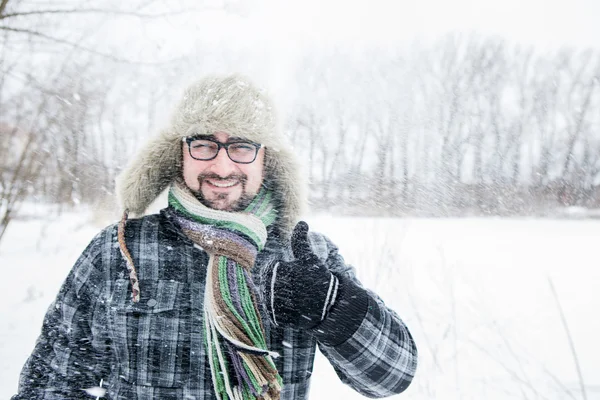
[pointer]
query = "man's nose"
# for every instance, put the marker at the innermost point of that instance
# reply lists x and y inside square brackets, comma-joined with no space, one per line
[222,164]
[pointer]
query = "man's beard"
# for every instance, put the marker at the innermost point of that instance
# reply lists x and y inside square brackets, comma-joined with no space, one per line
[238,205]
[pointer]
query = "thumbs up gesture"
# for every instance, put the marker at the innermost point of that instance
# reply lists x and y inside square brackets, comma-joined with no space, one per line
[299,293]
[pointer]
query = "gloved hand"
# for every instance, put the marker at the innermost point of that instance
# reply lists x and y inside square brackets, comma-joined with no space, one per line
[299,293]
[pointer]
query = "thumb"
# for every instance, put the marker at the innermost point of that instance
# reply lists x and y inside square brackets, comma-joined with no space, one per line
[300,244]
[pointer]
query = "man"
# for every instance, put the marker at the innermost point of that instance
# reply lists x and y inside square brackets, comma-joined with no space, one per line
[222,295]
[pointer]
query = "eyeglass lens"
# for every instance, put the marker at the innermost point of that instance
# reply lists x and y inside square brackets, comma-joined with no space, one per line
[207,149]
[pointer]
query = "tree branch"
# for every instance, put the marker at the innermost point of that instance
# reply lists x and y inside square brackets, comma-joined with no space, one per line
[3,6]
[91,11]
[80,47]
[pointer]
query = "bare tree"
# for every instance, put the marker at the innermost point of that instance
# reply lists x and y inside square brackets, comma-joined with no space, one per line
[18,170]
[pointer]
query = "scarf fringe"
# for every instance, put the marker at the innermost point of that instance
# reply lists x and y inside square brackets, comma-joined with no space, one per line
[236,341]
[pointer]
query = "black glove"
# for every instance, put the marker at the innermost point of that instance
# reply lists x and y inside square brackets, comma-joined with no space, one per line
[301,292]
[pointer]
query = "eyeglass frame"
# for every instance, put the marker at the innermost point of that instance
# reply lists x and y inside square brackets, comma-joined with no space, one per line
[190,139]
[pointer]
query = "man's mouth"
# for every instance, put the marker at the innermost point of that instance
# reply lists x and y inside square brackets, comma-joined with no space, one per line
[222,184]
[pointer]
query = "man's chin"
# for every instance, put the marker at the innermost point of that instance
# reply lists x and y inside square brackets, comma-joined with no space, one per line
[222,205]
[224,202]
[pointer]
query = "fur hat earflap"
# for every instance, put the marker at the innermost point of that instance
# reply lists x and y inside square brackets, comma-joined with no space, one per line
[230,104]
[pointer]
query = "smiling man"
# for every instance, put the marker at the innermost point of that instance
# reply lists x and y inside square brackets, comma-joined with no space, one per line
[224,294]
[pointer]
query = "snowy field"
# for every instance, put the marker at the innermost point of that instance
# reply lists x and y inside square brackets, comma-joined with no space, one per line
[476,293]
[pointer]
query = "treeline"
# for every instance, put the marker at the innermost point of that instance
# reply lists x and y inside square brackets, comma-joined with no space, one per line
[466,125]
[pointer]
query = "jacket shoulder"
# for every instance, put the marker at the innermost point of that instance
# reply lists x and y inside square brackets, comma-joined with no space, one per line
[108,235]
[104,247]
[144,222]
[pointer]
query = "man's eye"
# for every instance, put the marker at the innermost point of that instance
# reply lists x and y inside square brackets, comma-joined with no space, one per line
[202,145]
[242,146]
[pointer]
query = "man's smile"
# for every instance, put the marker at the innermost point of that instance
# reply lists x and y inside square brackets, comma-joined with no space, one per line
[222,184]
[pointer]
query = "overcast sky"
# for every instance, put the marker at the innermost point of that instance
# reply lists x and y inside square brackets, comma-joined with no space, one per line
[547,24]
[540,22]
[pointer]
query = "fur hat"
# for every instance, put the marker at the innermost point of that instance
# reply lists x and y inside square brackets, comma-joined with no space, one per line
[230,104]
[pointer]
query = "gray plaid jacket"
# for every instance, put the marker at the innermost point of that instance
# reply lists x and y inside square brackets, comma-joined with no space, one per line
[154,349]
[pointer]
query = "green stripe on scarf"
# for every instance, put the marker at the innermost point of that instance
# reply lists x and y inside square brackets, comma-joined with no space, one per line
[258,341]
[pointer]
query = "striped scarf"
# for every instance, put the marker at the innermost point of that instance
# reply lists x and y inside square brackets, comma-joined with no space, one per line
[241,365]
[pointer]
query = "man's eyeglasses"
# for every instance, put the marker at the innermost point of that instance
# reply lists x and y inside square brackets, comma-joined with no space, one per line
[204,149]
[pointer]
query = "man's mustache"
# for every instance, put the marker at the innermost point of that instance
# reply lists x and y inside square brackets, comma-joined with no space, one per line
[242,178]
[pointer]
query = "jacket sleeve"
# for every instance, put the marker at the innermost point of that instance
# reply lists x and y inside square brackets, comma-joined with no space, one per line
[368,344]
[64,361]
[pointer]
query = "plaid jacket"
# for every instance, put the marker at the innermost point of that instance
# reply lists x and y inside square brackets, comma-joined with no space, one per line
[154,349]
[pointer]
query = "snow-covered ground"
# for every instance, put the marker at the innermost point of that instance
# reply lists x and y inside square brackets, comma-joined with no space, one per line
[476,293]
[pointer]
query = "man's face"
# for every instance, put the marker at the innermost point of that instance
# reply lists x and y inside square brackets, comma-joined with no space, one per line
[220,183]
